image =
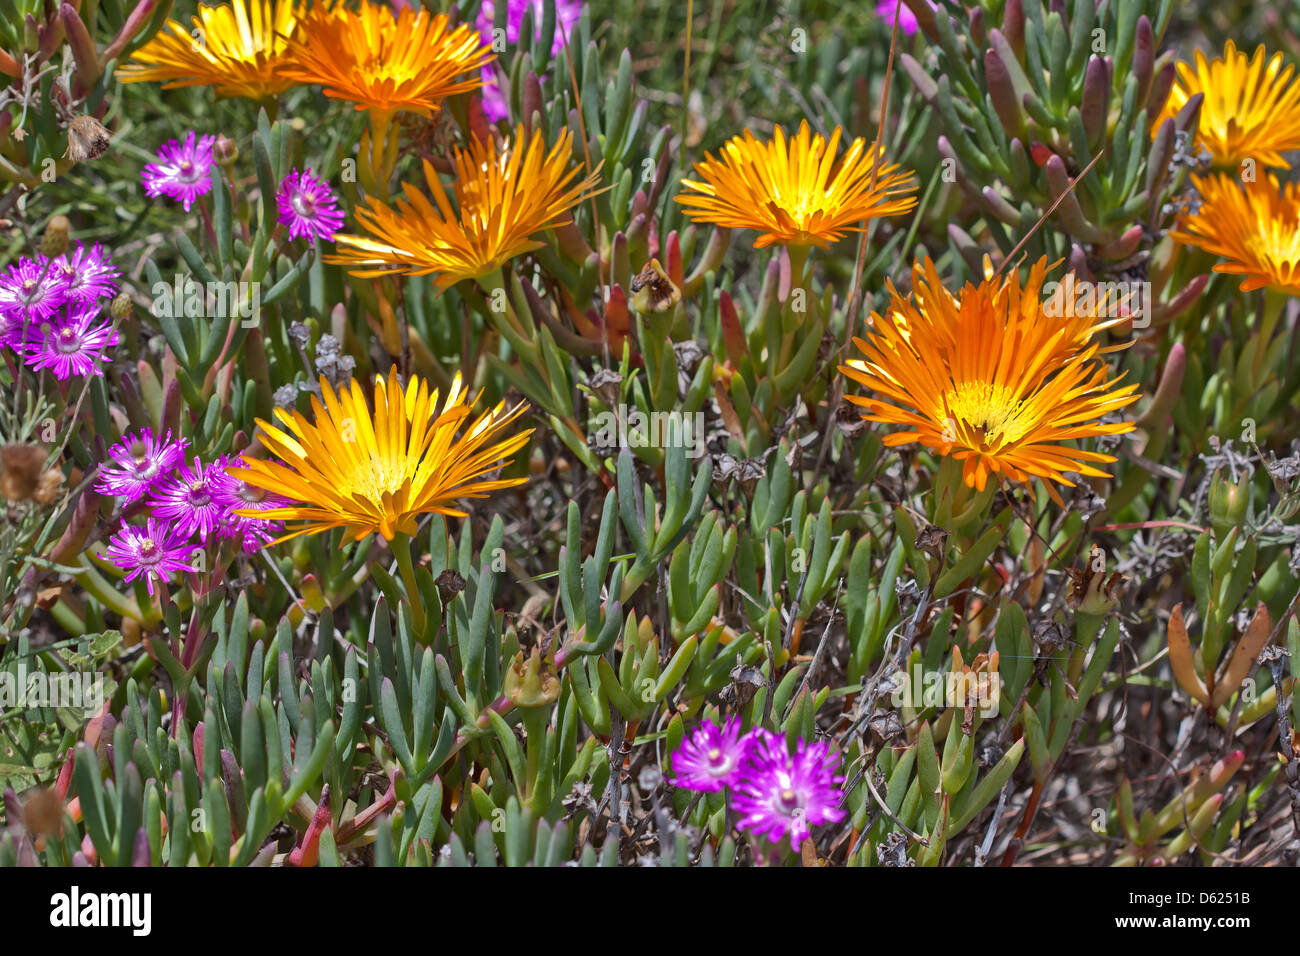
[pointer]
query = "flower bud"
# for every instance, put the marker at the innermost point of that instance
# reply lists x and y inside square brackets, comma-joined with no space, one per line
[526,683]
[54,241]
[225,151]
[1228,502]
[120,308]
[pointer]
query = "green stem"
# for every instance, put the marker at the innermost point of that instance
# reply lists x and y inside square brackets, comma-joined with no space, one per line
[402,547]
[1274,303]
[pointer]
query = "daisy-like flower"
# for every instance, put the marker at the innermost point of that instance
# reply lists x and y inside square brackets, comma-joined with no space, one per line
[70,344]
[138,462]
[712,757]
[235,495]
[307,206]
[183,171]
[380,61]
[31,290]
[187,500]
[567,15]
[780,794]
[986,377]
[795,192]
[502,200]
[1254,227]
[87,274]
[154,552]
[237,49]
[1251,108]
[379,472]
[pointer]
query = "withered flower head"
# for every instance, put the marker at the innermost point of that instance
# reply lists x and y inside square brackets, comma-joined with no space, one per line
[87,139]
[652,289]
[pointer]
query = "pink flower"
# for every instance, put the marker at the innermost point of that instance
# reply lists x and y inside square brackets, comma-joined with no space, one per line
[73,343]
[780,794]
[183,171]
[154,552]
[307,206]
[712,757]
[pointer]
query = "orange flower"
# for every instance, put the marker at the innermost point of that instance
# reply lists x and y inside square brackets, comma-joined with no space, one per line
[987,378]
[795,192]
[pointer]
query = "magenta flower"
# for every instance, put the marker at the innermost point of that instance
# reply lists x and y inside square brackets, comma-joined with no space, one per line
[232,493]
[86,274]
[30,291]
[307,206]
[138,461]
[183,171]
[187,500]
[712,757]
[779,794]
[72,343]
[567,13]
[907,22]
[10,329]
[154,552]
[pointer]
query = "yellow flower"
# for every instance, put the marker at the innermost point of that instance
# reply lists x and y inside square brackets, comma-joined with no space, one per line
[989,379]
[502,198]
[795,192]
[1255,226]
[381,62]
[237,49]
[379,472]
[1251,108]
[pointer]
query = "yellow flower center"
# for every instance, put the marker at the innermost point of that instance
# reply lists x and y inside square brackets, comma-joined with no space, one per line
[990,410]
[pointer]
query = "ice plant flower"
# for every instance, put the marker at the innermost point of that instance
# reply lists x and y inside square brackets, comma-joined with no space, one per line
[567,14]
[780,794]
[502,200]
[137,463]
[380,60]
[70,344]
[234,495]
[987,378]
[187,500]
[154,552]
[379,472]
[87,274]
[238,49]
[31,289]
[183,171]
[795,192]
[1253,227]
[907,23]
[307,206]
[712,757]
[1251,108]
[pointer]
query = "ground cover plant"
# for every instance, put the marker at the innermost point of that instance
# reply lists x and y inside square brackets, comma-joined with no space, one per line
[721,433]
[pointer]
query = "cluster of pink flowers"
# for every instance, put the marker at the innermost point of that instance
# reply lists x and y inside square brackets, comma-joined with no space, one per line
[190,504]
[775,792]
[52,311]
